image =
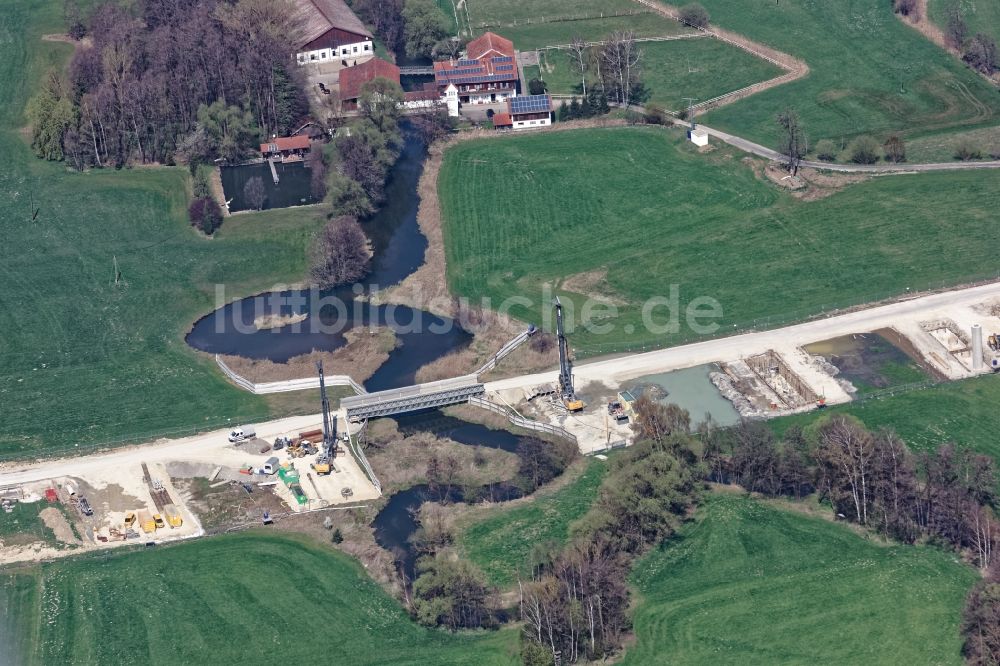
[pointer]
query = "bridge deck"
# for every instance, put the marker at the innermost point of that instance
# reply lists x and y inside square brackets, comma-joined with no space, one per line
[412,398]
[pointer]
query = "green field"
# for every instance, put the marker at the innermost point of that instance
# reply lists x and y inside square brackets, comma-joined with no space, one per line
[526,211]
[244,598]
[508,12]
[751,584]
[501,544]
[980,15]
[964,412]
[85,361]
[859,56]
[538,35]
[18,627]
[701,68]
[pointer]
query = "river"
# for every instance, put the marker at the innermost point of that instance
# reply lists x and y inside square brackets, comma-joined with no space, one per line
[399,247]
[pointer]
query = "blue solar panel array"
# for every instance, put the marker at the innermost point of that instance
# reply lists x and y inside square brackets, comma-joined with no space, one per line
[503,59]
[529,104]
[465,63]
[505,68]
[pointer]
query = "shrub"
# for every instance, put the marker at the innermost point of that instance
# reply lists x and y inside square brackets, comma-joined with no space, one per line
[205,215]
[694,14]
[895,149]
[337,536]
[656,114]
[864,150]
[966,150]
[826,150]
[907,8]
[537,87]
[981,53]
[201,181]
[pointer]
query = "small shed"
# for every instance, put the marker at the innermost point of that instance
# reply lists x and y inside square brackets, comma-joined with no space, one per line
[627,398]
[698,136]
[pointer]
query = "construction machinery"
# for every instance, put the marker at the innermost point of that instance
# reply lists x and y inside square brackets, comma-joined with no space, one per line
[324,463]
[566,391]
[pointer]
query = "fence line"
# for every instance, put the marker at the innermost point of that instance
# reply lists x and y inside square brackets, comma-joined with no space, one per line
[362,459]
[522,422]
[287,385]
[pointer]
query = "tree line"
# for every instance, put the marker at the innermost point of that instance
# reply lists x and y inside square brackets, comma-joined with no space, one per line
[417,28]
[181,81]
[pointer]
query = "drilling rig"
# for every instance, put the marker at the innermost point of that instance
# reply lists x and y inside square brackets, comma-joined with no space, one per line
[324,462]
[566,391]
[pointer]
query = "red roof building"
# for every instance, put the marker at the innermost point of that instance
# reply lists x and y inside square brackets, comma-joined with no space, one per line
[353,78]
[502,120]
[285,146]
[487,74]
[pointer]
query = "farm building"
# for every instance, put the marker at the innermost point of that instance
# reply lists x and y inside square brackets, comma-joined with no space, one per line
[352,79]
[526,112]
[487,74]
[285,147]
[699,137]
[331,31]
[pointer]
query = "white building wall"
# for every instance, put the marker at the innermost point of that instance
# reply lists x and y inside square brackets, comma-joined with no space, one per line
[360,51]
[532,124]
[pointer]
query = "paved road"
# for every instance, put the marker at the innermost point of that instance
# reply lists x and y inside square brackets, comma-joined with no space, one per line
[762,151]
[206,447]
[738,346]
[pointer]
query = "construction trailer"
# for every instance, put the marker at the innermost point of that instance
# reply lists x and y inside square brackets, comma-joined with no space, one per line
[146,522]
[566,391]
[173,515]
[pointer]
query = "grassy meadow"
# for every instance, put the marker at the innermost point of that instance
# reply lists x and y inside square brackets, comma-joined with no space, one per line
[86,361]
[869,73]
[980,15]
[624,213]
[538,35]
[964,412]
[500,544]
[243,598]
[509,12]
[701,68]
[748,583]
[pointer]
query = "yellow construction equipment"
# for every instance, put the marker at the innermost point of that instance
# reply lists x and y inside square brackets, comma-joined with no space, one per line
[324,463]
[146,522]
[173,515]
[130,519]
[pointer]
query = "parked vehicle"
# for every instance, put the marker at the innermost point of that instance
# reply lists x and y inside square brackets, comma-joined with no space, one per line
[146,522]
[173,516]
[85,507]
[130,519]
[270,466]
[242,434]
[159,522]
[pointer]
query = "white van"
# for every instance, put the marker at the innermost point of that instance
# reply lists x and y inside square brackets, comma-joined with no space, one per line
[271,466]
[242,434]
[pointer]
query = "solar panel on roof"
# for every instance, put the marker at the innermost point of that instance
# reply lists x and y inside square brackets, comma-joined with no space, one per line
[529,104]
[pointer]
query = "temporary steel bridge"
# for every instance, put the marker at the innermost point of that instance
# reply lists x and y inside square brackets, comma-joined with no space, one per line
[412,398]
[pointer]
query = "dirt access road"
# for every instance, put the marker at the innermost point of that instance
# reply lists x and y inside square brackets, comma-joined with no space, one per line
[962,306]
[956,304]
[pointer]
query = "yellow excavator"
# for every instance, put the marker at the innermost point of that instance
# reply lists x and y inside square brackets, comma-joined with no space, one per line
[324,462]
[566,391]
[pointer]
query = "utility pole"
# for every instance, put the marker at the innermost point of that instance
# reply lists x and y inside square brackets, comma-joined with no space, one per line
[690,109]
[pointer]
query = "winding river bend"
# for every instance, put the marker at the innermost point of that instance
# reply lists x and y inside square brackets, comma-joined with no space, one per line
[399,248]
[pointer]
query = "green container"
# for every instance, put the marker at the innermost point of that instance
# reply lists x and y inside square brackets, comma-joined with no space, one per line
[297,493]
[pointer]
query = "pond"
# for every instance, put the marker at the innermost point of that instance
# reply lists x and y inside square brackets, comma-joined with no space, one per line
[294,186]
[399,248]
[690,389]
[870,361]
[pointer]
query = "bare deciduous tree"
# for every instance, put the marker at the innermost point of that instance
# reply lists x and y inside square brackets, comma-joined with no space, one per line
[620,63]
[794,144]
[579,58]
[254,193]
[340,254]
